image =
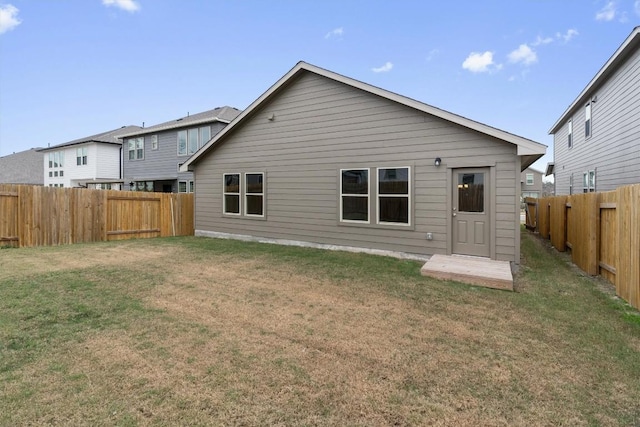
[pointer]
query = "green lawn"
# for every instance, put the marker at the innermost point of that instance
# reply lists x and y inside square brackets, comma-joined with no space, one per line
[196,331]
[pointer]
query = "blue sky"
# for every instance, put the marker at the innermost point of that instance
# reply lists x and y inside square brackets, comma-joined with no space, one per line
[73,68]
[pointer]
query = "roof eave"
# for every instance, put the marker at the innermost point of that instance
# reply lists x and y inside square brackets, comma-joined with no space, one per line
[607,69]
[174,126]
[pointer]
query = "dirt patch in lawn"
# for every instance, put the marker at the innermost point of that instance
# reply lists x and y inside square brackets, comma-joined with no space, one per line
[256,341]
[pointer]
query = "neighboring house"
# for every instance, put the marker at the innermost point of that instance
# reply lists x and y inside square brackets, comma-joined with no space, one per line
[531,183]
[597,139]
[24,167]
[153,155]
[324,160]
[93,161]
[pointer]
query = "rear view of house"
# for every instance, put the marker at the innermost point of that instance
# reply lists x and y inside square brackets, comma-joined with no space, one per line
[324,160]
[597,139]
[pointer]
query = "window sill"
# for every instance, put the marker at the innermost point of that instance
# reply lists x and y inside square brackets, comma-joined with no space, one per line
[383,226]
[247,217]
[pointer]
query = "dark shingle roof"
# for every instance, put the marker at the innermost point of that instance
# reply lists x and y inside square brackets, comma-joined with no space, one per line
[220,114]
[109,137]
[25,167]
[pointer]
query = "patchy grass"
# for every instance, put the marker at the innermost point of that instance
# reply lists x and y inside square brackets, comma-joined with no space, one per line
[195,331]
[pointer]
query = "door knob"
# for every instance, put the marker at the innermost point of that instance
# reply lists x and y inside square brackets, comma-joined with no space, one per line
[455,214]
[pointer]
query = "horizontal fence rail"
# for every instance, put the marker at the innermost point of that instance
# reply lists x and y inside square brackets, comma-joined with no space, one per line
[48,216]
[602,230]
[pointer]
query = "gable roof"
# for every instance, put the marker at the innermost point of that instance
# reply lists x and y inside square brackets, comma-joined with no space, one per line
[612,65]
[220,114]
[109,137]
[530,150]
[24,167]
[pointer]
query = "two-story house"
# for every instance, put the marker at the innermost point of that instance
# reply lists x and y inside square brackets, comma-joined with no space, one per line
[152,156]
[597,139]
[93,161]
[531,183]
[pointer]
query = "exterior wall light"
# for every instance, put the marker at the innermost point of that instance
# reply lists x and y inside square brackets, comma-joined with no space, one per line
[437,161]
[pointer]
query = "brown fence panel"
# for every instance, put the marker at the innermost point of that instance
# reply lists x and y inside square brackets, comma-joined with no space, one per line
[133,215]
[544,212]
[582,231]
[558,222]
[608,247]
[9,215]
[531,212]
[628,267]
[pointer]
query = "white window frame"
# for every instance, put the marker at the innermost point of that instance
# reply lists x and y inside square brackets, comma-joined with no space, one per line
[186,186]
[138,148]
[592,181]
[246,194]
[367,196]
[409,198]
[530,180]
[570,135]
[588,122]
[201,138]
[186,142]
[192,187]
[154,142]
[225,193]
[81,157]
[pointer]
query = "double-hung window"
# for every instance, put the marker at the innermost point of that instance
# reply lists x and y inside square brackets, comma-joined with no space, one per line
[81,156]
[587,120]
[589,181]
[354,195]
[393,195]
[190,140]
[231,194]
[570,134]
[136,148]
[254,194]
[529,179]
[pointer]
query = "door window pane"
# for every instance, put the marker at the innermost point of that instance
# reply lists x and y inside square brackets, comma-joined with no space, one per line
[471,192]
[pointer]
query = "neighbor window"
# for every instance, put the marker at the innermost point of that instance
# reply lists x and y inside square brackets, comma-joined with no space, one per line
[354,195]
[154,142]
[182,186]
[50,174]
[81,156]
[393,195]
[529,179]
[587,121]
[589,181]
[254,194]
[570,134]
[231,194]
[191,139]
[191,187]
[136,148]
[571,184]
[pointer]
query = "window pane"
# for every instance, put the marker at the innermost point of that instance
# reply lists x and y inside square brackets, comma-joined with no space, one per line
[471,192]
[61,163]
[355,208]
[254,205]
[193,140]
[355,182]
[232,203]
[50,160]
[232,183]
[132,155]
[191,187]
[182,142]
[394,209]
[254,182]
[393,181]
[205,135]
[182,187]
[56,158]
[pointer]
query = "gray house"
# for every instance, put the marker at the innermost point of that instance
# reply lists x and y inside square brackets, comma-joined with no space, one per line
[24,167]
[597,139]
[152,156]
[531,183]
[324,160]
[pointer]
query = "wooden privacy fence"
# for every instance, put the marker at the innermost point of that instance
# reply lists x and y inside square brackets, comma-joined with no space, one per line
[47,216]
[602,230]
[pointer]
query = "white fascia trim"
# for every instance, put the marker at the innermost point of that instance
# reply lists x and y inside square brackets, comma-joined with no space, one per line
[285,242]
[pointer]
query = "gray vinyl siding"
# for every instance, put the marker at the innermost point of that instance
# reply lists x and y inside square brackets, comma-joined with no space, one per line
[322,126]
[613,150]
[163,162]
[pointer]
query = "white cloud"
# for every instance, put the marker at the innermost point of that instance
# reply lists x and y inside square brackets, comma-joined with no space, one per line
[128,5]
[336,32]
[607,13]
[566,37]
[479,62]
[523,54]
[435,52]
[8,18]
[383,69]
[543,40]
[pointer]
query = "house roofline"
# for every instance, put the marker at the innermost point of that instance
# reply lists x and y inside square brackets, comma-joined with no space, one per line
[525,146]
[152,129]
[618,57]
[70,144]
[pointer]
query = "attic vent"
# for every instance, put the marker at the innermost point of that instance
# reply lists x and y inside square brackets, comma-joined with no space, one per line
[179,119]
